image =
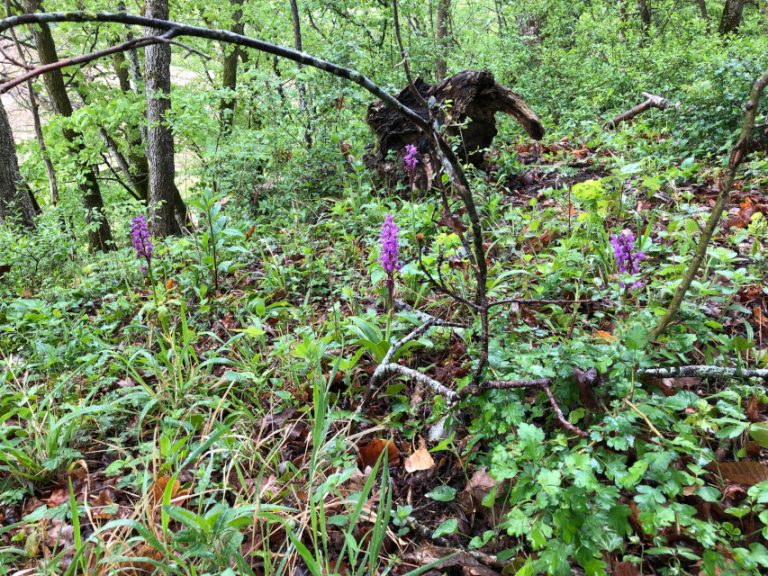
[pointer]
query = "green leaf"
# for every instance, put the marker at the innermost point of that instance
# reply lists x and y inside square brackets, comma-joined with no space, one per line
[450,526]
[442,494]
[708,494]
[759,433]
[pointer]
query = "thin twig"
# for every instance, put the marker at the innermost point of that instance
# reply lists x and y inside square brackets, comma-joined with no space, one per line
[642,415]
[82,59]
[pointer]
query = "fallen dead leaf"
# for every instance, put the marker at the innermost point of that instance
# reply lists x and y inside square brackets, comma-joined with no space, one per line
[605,336]
[745,472]
[419,460]
[58,496]
[370,453]
[449,561]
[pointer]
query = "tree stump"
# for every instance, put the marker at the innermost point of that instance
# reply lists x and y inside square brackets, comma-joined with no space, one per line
[466,104]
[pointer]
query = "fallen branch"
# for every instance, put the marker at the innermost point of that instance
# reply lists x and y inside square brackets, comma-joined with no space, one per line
[452,553]
[651,101]
[544,301]
[739,152]
[701,371]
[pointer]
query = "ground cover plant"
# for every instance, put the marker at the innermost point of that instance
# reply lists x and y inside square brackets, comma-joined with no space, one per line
[253,321]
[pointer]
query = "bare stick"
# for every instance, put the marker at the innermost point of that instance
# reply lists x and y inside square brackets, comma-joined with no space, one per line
[739,152]
[384,369]
[651,101]
[543,383]
[701,371]
[543,301]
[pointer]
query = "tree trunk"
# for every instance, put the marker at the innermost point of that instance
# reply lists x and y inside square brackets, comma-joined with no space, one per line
[160,145]
[229,68]
[645,14]
[15,196]
[731,18]
[99,232]
[302,90]
[135,164]
[703,9]
[443,33]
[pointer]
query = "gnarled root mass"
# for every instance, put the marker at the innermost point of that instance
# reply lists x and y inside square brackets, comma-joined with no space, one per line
[475,97]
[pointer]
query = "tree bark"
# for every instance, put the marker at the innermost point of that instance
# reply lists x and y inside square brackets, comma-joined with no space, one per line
[297,43]
[645,14]
[443,33]
[135,164]
[160,144]
[703,9]
[731,18]
[229,68]
[15,196]
[99,232]
[49,169]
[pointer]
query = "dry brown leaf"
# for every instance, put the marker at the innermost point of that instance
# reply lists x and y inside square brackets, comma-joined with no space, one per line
[158,489]
[447,559]
[604,335]
[370,453]
[586,381]
[100,502]
[625,569]
[745,472]
[753,409]
[419,460]
[58,496]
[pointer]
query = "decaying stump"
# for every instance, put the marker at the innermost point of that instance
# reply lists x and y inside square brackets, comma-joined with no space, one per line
[465,103]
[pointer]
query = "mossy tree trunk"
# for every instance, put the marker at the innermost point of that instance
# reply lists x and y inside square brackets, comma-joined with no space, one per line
[229,68]
[99,232]
[164,199]
[15,196]
[731,18]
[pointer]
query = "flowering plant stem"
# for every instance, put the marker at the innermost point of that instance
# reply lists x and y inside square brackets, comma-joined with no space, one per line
[152,281]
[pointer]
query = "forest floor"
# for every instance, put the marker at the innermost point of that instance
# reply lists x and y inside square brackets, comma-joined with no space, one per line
[164,428]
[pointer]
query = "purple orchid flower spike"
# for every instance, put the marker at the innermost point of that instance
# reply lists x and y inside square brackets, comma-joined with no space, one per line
[390,252]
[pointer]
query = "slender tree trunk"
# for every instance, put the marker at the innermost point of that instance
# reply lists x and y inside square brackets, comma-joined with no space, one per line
[731,18]
[704,13]
[35,109]
[443,33]
[229,68]
[99,232]
[645,14]
[15,196]
[160,145]
[302,89]
[703,9]
[122,71]
[40,137]
[134,165]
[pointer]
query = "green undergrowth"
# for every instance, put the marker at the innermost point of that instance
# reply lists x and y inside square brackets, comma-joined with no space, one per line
[209,423]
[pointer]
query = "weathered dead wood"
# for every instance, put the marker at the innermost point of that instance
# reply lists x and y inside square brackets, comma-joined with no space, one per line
[466,104]
[651,101]
[700,371]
